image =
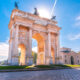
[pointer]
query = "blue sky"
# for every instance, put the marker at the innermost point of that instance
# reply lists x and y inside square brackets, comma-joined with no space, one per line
[67,15]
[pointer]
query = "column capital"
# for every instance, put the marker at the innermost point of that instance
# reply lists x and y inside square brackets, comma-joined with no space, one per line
[16,25]
[48,32]
[30,28]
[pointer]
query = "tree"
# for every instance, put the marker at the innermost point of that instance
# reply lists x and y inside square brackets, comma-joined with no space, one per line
[34,57]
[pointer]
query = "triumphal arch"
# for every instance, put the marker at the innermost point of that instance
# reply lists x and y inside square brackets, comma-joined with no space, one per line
[25,26]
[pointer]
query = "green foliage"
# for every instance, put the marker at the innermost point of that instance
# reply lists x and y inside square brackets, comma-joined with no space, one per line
[11,67]
[34,57]
[54,66]
[14,67]
[57,66]
[73,66]
[44,66]
[51,66]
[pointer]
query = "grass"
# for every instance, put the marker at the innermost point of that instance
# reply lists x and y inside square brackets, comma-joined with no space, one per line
[51,66]
[38,66]
[73,66]
[14,67]
[57,66]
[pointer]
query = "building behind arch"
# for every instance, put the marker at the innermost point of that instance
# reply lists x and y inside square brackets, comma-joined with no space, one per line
[69,57]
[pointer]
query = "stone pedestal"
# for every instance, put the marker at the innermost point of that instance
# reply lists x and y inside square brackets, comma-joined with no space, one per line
[51,60]
[15,60]
[47,60]
[29,60]
[29,54]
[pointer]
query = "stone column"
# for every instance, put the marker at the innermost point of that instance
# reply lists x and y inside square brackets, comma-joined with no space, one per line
[57,49]
[58,45]
[11,44]
[29,54]
[48,49]
[49,43]
[53,50]
[15,47]
[9,55]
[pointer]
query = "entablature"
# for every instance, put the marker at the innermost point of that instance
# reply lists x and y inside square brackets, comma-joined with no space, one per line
[32,21]
[36,19]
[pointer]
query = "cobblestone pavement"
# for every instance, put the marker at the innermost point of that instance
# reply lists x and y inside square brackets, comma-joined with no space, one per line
[64,74]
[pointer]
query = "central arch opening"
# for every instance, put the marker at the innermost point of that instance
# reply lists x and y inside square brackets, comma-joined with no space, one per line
[40,59]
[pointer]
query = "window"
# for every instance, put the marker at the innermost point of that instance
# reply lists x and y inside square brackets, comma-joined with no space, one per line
[78,61]
[65,61]
[65,56]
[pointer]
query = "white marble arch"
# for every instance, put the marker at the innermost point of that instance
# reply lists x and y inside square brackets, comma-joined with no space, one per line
[23,26]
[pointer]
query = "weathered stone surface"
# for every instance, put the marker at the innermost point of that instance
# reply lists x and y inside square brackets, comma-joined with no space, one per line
[25,26]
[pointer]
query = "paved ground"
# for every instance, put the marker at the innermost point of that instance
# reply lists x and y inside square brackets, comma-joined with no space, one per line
[65,74]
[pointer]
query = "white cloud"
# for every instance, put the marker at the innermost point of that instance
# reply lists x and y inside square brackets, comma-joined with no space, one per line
[74,37]
[4,50]
[77,49]
[7,40]
[4,47]
[77,23]
[6,12]
[35,49]
[78,18]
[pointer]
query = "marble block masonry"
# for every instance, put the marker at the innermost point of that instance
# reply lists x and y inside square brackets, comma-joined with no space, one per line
[23,28]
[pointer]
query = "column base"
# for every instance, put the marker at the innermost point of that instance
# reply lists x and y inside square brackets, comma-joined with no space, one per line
[29,61]
[51,61]
[14,61]
[57,60]
[47,60]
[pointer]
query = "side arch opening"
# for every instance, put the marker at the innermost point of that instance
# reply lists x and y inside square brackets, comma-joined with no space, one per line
[22,54]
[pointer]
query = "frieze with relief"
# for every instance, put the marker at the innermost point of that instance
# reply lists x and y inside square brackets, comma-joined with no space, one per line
[36,20]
